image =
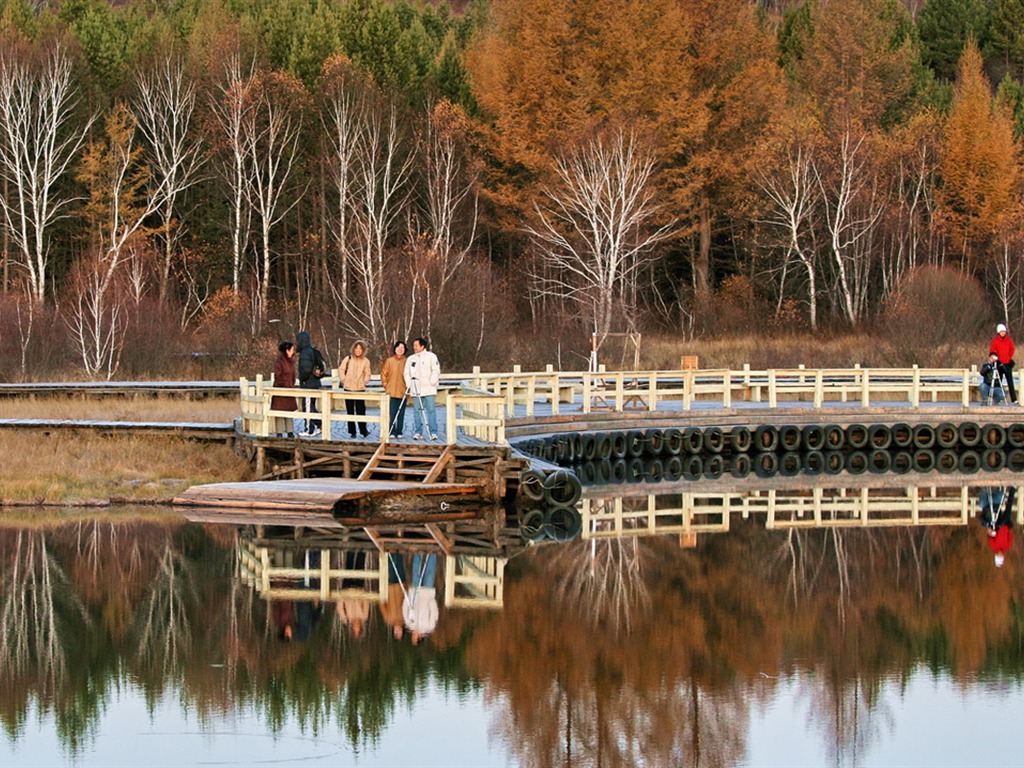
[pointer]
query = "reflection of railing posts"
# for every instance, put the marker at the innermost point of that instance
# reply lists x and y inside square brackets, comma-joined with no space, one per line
[474,582]
[270,571]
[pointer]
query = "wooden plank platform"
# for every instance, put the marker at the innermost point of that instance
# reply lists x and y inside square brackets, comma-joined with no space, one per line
[339,496]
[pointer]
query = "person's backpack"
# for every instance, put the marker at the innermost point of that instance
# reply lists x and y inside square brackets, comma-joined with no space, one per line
[318,364]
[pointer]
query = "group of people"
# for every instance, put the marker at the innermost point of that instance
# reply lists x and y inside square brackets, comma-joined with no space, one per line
[405,378]
[411,605]
[997,372]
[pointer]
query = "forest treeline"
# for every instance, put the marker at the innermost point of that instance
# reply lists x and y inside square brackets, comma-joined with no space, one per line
[182,176]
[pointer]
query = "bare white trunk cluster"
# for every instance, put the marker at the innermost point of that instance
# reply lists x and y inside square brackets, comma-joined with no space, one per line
[594,227]
[39,141]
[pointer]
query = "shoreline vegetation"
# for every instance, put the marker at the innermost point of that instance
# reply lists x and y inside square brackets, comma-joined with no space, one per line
[84,470]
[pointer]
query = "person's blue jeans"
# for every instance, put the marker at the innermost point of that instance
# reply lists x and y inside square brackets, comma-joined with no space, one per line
[421,404]
[424,570]
[397,415]
[998,395]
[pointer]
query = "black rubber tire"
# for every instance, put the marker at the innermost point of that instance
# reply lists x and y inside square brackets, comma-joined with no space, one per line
[654,470]
[902,462]
[879,437]
[531,485]
[835,437]
[562,487]
[790,464]
[531,525]
[947,461]
[814,462]
[857,437]
[714,440]
[693,440]
[1015,460]
[924,437]
[604,471]
[993,436]
[969,433]
[812,437]
[834,462]
[946,435]
[923,460]
[635,443]
[576,439]
[603,450]
[741,439]
[993,460]
[856,462]
[740,465]
[789,438]
[766,464]
[620,471]
[673,445]
[619,446]
[902,435]
[589,446]
[586,472]
[968,463]
[879,461]
[766,439]
[714,466]
[634,470]
[673,468]
[1015,435]
[562,523]
[654,442]
[693,467]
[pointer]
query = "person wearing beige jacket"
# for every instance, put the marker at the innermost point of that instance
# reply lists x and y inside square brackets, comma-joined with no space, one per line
[354,373]
[392,377]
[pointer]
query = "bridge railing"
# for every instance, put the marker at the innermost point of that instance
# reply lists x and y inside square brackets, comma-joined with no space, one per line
[525,392]
[478,403]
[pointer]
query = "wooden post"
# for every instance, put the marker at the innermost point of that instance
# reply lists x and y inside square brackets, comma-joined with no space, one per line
[385,417]
[915,388]
[451,424]
[865,387]
[326,403]
[773,398]
[727,389]
[586,391]
[819,388]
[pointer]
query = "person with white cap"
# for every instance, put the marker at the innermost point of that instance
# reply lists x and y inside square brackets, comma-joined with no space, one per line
[1002,345]
[997,516]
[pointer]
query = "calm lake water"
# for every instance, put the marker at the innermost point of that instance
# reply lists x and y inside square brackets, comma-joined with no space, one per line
[747,627]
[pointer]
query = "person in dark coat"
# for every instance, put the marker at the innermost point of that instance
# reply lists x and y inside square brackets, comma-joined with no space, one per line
[284,376]
[311,369]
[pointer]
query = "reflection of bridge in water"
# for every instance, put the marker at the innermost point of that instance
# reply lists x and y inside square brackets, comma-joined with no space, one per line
[321,560]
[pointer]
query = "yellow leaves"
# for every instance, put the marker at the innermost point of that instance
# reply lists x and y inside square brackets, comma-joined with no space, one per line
[979,160]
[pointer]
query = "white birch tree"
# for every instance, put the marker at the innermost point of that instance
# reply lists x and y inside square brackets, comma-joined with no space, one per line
[39,140]
[595,229]
[383,175]
[165,103]
[792,192]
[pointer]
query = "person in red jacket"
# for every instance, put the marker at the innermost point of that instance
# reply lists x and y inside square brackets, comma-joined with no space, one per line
[1002,345]
[997,517]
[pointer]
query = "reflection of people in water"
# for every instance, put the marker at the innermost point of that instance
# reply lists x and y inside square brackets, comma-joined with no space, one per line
[391,611]
[420,607]
[997,516]
[294,619]
[353,614]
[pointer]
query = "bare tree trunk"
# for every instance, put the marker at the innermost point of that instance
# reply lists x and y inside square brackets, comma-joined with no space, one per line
[39,140]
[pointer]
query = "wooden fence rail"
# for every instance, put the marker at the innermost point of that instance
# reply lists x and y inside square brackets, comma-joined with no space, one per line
[478,403]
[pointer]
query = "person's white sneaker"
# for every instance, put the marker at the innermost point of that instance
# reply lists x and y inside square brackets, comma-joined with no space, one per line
[417,436]
[315,433]
[433,437]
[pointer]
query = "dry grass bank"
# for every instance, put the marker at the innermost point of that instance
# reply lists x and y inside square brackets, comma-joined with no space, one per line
[214,409]
[76,468]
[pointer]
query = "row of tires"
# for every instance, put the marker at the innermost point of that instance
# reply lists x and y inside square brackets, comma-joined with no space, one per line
[580,447]
[558,523]
[793,463]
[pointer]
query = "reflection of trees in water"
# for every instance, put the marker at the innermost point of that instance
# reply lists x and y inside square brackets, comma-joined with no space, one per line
[846,708]
[163,620]
[36,603]
[602,578]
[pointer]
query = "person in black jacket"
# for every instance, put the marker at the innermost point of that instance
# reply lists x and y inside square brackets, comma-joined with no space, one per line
[311,369]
